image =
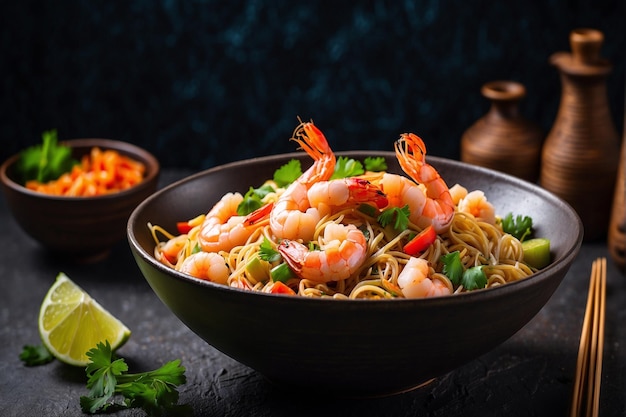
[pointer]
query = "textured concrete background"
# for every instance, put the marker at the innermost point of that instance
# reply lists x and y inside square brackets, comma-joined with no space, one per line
[200,83]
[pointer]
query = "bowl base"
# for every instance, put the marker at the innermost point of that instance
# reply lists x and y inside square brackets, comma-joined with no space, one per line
[354,395]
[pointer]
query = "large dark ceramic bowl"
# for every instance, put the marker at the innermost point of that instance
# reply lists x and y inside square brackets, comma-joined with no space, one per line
[78,228]
[356,347]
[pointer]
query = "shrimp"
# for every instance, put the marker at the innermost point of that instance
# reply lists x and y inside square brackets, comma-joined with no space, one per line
[340,192]
[171,249]
[415,283]
[477,205]
[223,229]
[343,250]
[292,216]
[206,265]
[428,196]
[457,192]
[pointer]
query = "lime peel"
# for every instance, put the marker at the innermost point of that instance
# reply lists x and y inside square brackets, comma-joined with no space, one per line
[71,323]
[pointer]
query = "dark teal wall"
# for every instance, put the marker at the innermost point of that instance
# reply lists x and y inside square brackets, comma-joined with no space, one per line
[201,83]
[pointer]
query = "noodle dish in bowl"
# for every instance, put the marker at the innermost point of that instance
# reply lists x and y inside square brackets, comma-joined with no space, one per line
[359,273]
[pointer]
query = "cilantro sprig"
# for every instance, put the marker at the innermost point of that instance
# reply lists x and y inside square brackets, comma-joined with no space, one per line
[520,226]
[347,167]
[288,173]
[47,161]
[253,199]
[398,216]
[471,279]
[375,163]
[154,391]
[35,355]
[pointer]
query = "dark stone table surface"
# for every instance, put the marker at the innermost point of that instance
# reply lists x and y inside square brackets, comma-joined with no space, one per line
[531,374]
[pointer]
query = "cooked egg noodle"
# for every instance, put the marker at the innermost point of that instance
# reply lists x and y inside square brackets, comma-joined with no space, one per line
[478,243]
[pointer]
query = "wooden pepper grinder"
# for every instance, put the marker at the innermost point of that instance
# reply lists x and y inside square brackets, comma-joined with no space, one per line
[581,152]
[503,139]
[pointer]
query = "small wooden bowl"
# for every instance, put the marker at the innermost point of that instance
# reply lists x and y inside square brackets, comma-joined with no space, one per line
[82,228]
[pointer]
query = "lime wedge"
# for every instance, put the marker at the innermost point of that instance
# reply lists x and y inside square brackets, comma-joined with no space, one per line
[71,323]
[537,252]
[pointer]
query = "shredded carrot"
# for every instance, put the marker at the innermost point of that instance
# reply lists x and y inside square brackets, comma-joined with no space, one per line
[99,172]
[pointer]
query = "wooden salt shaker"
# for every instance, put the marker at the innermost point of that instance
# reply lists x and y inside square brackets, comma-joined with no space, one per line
[581,152]
[503,139]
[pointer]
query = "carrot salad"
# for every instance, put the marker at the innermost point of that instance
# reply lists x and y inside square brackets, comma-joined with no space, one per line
[99,172]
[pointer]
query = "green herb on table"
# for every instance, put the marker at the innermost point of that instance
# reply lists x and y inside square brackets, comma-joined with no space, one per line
[154,391]
[47,161]
[35,355]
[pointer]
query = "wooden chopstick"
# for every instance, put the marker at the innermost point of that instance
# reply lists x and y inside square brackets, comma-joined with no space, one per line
[586,398]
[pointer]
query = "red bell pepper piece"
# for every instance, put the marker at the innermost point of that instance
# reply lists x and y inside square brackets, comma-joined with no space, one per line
[282,288]
[421,242]
[183,227]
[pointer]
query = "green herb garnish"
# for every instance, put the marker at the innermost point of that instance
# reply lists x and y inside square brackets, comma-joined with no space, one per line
[268,253]
[347,167]
[474,278]
[375,163]
[399,216]
[45,162]
[153,391]
[521,226]
[288,173]
[452,267]
[253,199]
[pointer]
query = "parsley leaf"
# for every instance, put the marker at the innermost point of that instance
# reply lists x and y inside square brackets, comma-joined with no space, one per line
[45,162]
[36,355]
[452,267]
[288,173]
[267,252]
[521,226]
[375,163]
[252,200]
[396,215]
[154,391]
[474,278]
[347,167]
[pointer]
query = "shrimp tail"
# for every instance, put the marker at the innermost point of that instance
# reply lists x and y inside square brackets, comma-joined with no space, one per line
[294,253]
[314,143]
[258,215]
[365,191]
[411,149]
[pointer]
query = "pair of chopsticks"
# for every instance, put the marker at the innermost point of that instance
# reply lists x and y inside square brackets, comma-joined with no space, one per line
[586,397]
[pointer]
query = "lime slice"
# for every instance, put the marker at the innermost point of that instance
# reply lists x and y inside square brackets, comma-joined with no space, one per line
[537,252]
[71,323]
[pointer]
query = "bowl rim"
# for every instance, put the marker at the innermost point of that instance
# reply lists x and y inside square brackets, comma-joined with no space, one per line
[152,167]
[487,293]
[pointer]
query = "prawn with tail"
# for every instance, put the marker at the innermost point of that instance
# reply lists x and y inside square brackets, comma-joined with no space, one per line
[343,249]
[223,229]
[310,197]
[426,193]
